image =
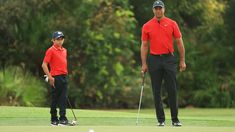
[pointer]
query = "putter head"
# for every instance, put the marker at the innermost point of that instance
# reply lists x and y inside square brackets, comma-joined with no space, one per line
[74,123]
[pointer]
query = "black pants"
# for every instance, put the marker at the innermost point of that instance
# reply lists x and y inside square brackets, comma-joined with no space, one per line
[164,68]
[59,96]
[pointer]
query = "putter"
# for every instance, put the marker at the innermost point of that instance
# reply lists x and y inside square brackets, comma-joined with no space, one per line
[74,122]
[141,94]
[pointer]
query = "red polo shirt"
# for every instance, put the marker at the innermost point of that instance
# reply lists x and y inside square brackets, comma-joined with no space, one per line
[57,59]
[160,35]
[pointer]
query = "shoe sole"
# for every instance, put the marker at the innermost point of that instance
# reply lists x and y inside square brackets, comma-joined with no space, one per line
[176,125]
[62,125]
[69,124]
[161,124]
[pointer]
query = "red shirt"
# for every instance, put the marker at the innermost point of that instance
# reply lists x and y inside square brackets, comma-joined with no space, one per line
[57,59]
[160,35]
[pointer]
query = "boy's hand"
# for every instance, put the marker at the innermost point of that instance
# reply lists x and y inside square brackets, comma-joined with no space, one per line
[52,81]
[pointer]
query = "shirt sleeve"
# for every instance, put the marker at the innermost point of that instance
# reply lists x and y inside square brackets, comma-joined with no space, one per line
[145,35]
[48,56]
[176,32]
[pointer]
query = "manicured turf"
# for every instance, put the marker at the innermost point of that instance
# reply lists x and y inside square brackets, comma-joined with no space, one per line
[37,119]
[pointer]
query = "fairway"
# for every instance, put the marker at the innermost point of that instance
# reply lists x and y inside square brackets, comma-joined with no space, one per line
[37,119]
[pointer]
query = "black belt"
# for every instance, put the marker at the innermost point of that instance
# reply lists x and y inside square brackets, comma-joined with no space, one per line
[163,55]
[61,75]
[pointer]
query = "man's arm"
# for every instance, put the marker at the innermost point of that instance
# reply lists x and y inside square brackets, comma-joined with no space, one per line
[46,71]
[143,53]
[181,51]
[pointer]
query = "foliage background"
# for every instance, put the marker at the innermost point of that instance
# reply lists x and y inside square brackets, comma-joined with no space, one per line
[103,41]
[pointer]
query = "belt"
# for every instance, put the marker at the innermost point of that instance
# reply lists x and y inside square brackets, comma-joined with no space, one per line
[163,55]
[61,75]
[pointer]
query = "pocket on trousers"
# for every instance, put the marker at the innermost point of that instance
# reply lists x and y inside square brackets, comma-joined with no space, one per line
[172,60]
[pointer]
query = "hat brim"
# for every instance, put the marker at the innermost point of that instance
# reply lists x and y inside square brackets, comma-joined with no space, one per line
[158,6]
[59,36]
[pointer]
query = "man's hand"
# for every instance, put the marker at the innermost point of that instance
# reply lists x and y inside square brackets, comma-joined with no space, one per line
[182,66]
[144,69]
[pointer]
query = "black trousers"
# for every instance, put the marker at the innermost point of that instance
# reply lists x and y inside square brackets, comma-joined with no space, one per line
[59,96]
[164,68]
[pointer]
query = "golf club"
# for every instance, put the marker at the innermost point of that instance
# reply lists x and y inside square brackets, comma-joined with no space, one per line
[141,94]
[74,122]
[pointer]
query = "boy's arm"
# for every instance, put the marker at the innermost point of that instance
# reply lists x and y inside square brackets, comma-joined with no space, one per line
[46,71]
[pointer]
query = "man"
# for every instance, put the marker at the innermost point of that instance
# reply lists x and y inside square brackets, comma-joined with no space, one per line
[159,32]
[56,58]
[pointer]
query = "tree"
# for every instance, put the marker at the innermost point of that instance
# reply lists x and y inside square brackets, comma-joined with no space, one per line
[99,39]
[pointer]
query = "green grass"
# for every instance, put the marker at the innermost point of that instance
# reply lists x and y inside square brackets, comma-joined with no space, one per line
[38,119]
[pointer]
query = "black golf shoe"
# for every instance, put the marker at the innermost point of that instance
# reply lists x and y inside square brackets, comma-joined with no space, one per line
[161,123]
[63,121]
[54,122]
[176,123]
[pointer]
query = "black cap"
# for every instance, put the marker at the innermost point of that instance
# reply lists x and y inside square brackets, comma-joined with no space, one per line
[158,3]
[57,34]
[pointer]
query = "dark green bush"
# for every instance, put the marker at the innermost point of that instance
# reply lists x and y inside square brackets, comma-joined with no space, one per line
[20,88]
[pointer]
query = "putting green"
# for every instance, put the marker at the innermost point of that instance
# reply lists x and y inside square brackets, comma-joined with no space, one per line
[113,129]
[35,119]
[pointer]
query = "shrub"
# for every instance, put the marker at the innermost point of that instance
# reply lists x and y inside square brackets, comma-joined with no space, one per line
[19,87]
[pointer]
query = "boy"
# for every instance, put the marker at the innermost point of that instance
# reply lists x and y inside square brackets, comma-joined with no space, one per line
[56,58]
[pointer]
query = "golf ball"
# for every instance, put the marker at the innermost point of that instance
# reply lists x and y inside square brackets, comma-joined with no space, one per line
[74,122]
[91,130]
